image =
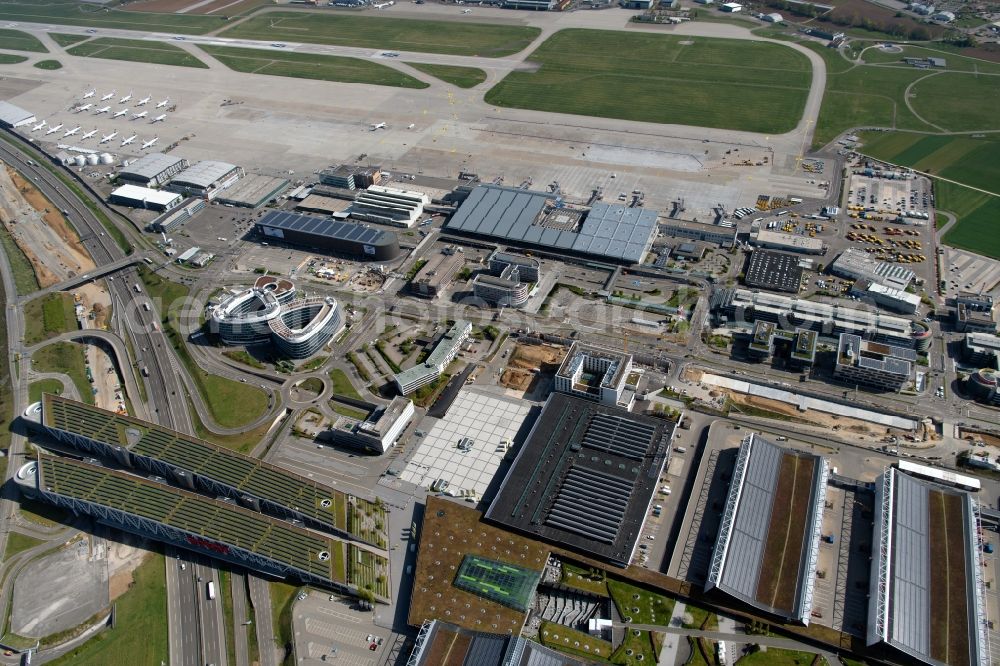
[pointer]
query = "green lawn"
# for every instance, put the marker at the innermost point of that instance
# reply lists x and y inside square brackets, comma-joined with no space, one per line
[75,12]
[958,102]
[24,275]
[639,604]
[463,77]
[585,578]
[37,388]
[571,641]
[16,40]
[63,39]
[18,543]
[450,37]
[975,162]
[955,62]
[342,385]
[48,316]
[282,599]
[48,64]
[310,66]
[11,59]
[640,645]
[349,412]
[724,83]
[244,357]
[140,635]
[777,657]
[68,358]
[136,50]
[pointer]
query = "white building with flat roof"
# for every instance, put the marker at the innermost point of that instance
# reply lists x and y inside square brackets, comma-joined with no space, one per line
[134,196]
[425,373]
[388,205]
[777,240]
[596,374]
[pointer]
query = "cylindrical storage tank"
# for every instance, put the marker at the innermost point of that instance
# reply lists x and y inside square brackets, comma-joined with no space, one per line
[106,158]
[92,159]
[79,160]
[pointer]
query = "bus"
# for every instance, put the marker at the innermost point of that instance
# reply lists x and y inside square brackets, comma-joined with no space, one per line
[211,590]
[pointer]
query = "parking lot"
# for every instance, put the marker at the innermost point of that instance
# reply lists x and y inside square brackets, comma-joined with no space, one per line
[968,272]
[329,630]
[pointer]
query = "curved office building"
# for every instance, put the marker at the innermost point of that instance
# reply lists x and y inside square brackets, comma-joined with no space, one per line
[304,326]
[268,313]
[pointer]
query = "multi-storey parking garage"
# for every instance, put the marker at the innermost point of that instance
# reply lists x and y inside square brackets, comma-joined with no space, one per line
[188,520]
[267,313]
[197,465]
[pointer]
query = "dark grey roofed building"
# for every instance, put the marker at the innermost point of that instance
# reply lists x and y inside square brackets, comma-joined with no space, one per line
[476,648]
[321,233]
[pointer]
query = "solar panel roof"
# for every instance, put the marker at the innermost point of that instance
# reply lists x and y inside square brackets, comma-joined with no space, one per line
[608,230]
[323,226]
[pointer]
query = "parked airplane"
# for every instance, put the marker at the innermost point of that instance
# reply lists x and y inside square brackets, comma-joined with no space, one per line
[150,143]
[72,131]
[163,103]
[108,96]
[81,109]
[144,101]
[160,118]
[39,126]
[378,126]
[466,11]
[105,139]
[88,134]
[103,109]
[141,114]
[125,98]
[121,113]
[53,130]
[129,140]
[89,94]
[383,4]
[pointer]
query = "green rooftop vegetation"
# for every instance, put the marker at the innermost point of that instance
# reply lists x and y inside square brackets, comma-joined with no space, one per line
[503,583]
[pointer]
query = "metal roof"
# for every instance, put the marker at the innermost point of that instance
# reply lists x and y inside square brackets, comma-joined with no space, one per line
[738,557]
[204,174]
[146,195]
[322,226]
[611,231]
[12,115]
[150,166]
[476,648]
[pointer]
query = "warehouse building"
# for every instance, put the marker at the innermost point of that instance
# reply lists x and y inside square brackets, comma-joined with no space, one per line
[777,240]
[709,233]
[318,203]
[205,179]
[927,596]
[134,196]
[177,217]
[896,300]
[444,352]
[346,239]
[741,307]
[254,191]
[596,374]
[774,512]
[981,349]
[152,170]
[12,116]
[378,432]
[436,274]
[873,364]
[974,312]
[774,271]
[854,264]
[584,479]
[388,205]
[797,347]
[609,232]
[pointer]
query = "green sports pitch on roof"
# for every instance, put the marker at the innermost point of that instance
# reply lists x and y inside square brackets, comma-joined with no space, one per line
[505,584]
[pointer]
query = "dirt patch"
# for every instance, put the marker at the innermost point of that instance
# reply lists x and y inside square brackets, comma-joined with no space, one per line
[544,357]
[124,557]
[949,638]
[41,231]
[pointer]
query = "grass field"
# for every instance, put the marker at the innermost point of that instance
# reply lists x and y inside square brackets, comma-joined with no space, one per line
[949,640]
[16,40]
[68,358]
[974,162]
[636,649]
[453,38]
[36,389]
[667,79]
[565,639]
[776,586]
[955,61]
[48,316]
[18,543]
[11,59]
[136,50]
[310,66]
[463,77]
[74,12]
[649,608]
[282,599]
[342,385]
[778,657]
[958,102]
[48,64]
[24,275]
[64,40]
[140,635]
